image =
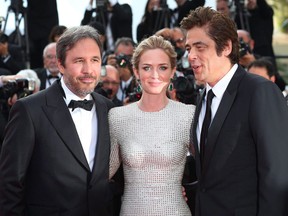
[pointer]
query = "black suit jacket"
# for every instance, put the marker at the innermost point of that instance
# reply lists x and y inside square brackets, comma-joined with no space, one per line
[245,163]
[43,168]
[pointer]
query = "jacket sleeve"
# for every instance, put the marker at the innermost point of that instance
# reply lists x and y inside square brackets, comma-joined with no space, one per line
[114,153]
[269,123]
[15,155]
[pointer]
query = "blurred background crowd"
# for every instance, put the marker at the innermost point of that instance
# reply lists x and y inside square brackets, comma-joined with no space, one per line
[28,45]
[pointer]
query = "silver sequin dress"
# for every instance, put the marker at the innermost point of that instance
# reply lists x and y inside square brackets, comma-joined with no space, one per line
[153,148]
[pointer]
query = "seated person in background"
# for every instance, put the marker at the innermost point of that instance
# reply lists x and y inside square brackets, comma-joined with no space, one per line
[109,83]
[50,72]
[263,67]
[56,32]
[11,58]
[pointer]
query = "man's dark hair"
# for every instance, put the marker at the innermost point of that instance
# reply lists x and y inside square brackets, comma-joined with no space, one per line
[263,63]
[219,27]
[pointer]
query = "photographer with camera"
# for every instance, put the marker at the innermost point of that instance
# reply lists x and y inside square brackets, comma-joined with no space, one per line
[12,88]
[246,44]
[247,56]
[109,84]
[116,19]
[120,59]
[258,17]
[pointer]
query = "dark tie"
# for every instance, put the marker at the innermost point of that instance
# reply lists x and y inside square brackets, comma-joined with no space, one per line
[50,76]
[84,104]
[206,124]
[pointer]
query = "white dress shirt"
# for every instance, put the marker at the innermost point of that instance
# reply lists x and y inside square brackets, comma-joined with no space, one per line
[50,81]
[121,94]
[218,91]
[86,125]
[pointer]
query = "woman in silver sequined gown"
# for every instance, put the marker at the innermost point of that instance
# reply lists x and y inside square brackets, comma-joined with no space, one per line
[151,137]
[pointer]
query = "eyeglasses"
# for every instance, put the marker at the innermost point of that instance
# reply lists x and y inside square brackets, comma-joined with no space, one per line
[113,83]
[50,57]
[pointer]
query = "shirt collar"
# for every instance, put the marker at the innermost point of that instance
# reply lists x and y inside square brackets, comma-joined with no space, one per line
[222,84]
[70,95]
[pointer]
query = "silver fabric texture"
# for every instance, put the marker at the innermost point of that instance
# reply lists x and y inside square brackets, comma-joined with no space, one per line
[153,147]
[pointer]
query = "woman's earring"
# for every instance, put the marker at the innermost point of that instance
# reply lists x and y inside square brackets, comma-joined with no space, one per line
[170,86]
[139,87]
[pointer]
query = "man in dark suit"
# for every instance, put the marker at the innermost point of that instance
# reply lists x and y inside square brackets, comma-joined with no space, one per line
[50,73]
[55,155]
[241,159]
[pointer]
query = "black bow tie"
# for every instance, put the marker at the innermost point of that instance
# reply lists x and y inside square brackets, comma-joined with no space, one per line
[84,104]
[50,76]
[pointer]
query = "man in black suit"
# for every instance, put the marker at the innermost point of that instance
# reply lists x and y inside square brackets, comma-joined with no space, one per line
[55,155]
[241,159]
[50,73]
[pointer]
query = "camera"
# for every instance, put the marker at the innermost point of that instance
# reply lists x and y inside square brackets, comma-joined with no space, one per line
[123,60]
[22,87]
[244,48]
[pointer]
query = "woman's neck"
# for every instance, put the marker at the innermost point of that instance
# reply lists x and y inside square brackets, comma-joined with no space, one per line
[152,103]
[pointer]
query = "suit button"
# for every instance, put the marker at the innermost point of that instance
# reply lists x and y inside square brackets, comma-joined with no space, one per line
[203,190]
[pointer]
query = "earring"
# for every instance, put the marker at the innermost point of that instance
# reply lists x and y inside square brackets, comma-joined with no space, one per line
[170,86]
[139,87]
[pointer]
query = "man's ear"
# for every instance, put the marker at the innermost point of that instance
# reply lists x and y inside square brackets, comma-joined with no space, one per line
[228,48]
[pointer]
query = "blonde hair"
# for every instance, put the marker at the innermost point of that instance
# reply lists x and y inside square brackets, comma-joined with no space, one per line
[154,42]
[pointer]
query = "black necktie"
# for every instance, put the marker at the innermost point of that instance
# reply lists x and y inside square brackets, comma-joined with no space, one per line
[84,104]
[206,124]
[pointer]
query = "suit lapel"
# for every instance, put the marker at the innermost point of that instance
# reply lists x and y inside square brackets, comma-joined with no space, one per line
[194,129]
[220,116]
[58,113]
[101,160]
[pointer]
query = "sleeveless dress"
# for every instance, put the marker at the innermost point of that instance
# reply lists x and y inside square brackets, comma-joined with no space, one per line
[152,147]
